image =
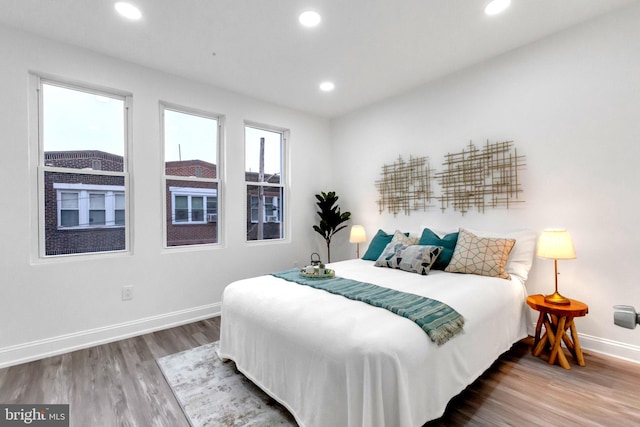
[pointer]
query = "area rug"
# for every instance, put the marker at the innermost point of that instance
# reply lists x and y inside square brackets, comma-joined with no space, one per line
[213,393]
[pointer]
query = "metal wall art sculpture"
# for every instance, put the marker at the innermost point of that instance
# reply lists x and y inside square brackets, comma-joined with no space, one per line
[473,178]
[405,186]
[481,178]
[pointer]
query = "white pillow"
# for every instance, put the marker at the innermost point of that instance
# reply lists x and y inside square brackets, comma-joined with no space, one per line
[521,256]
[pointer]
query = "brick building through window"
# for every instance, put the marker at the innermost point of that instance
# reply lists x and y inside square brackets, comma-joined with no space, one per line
[86,212]
[83,212]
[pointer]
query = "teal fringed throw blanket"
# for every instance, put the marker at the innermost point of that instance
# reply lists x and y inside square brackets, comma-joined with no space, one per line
[436,318]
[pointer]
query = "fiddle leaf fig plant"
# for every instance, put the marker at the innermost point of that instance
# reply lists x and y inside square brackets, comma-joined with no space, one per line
[331,219]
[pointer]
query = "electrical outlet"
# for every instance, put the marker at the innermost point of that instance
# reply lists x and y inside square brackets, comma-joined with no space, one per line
[127,293]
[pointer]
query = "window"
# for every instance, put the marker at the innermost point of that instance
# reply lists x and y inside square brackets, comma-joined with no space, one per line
[119,209]
[82,168]
[194,205]
[191,176]
[264,183]
[97,212]
[86,206]
[270,213]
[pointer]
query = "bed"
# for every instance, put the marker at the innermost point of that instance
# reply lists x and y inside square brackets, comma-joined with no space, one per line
[332,361]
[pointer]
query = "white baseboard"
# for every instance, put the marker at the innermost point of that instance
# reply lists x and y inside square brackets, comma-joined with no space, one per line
[611,348]
[27,352]
[604,346]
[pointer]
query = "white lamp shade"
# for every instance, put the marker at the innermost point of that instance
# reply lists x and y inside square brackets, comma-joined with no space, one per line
[358,234]
[555,244]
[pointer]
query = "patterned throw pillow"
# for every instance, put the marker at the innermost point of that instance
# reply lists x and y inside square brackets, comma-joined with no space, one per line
[484,256]
[400,237]
[418,258]
[388,256]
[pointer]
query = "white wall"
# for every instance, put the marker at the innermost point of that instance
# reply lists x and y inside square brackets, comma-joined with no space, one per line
[571,104]
[56,305]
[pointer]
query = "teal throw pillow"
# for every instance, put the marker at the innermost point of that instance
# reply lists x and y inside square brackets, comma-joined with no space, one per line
[377,245]
[447,242]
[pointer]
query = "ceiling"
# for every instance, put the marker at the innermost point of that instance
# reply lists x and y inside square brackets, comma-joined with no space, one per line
[370,49]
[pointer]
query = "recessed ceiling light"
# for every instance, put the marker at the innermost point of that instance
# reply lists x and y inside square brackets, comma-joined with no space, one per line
[496,6]
[327,86]
[128,10]
[309,18]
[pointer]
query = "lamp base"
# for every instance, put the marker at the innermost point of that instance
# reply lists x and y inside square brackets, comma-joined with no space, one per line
[556,298]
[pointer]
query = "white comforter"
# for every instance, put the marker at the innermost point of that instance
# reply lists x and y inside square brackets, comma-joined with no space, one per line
[336,362]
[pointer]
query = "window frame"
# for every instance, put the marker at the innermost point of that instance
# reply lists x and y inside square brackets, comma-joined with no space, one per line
[265,217]
[163,106]
[191,192]
[40,168]
[84,192]
[284,184]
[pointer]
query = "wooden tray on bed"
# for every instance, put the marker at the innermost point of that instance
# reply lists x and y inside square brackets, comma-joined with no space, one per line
[329,274]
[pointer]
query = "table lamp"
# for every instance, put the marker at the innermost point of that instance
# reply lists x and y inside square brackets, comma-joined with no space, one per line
[555,244]
[357,236]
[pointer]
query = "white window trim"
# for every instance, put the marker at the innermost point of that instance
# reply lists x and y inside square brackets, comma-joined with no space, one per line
[284,184]
[163,105]
[36,80]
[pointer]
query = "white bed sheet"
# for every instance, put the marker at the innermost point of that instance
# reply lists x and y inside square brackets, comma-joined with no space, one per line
[336,362]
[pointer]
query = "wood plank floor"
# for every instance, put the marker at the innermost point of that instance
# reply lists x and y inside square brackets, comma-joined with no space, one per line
[119,384]
[522,390]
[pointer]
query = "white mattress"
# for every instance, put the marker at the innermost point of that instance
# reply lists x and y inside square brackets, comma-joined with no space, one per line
[336,362]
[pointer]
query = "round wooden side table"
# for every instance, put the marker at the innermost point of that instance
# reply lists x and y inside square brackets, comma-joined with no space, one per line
[557,319]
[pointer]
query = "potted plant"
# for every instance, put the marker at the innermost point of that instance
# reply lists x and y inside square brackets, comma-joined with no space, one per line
[330,218]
